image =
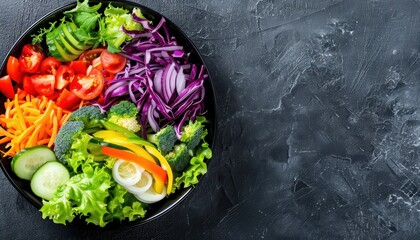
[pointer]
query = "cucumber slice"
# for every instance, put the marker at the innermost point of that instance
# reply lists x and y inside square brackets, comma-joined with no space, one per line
[68,33]
[28,160]
[48,178]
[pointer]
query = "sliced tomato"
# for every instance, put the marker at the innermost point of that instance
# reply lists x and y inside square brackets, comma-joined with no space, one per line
[6,87]
[87,87]
[13,69]
[50,65]
[68,100]
[89,55]
[31,58]
[63,77]
[108,76]
[96,63]
[78,66]
[28,87]
[112,62]
[44,84]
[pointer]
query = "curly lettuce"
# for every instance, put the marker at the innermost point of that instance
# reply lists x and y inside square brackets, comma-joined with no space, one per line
[197,166]
[111,27]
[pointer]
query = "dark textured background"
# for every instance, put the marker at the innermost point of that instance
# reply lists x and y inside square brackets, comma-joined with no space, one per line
[319,122]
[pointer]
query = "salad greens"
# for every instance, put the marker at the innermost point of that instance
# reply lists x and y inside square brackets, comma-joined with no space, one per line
[166,105]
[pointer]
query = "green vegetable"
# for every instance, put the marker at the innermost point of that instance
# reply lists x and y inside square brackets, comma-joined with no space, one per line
[94,195]
[124,114]
[115,18]
[164,139]
[192,132]
[28,160]
[84,194]
[66,135]
[196,168]
[91,116]
[179,157]
[48,178]
[84,16]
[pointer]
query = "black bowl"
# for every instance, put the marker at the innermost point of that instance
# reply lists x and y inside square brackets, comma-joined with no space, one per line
[158,209]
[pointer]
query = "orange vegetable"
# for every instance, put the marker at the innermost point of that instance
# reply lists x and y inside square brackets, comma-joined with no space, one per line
[30,121]
[150,166]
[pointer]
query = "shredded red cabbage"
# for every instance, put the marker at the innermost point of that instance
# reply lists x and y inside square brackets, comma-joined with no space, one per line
[158,77]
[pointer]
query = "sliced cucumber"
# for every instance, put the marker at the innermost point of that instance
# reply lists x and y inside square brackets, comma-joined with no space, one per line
[28,160]
[68,33]
[48,178]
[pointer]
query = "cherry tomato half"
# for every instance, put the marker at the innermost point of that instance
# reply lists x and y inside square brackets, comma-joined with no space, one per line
[78,66]
[28,87]
[31,58]
[89,55]
[112,62]
[6,87]
[13,69]
[68,100]
[63,77]
[50,65]
[44,84]
[87,87]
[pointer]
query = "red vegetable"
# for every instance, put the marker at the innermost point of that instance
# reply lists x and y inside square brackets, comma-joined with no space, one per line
[50,65]
[44,84]
[31,58]
[6,87]
[28,87]
[68,100]
[87,87]
[13,69]
[63,77]
[111,62]
[78,66]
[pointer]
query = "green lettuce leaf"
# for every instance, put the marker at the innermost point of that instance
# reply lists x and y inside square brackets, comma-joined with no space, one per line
[84,194]
[79,152]
[197,165]
[111,32]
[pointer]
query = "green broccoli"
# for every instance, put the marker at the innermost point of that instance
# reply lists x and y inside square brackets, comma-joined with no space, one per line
[192,134]
[164,139]
[124,114]
[179,158]
[91,117]
[64,139]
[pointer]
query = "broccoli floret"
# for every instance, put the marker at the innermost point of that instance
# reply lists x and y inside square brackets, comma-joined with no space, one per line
[164,139]
[91,116]
[124,114]
[192,133]
[64,139]
[179,158]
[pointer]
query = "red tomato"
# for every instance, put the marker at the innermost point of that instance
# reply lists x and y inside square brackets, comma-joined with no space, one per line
[68,100]
[78,66]
[13,69]
[50,65]
[87,87]
[63,77]
[112,62]
[44,84]
[6,87]
[31,58]
[28,87]
[108,76]
[96,63]
[89,55]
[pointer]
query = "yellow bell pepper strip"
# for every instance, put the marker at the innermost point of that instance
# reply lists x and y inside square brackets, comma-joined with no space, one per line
[149,166]
[165,165]
[120,139]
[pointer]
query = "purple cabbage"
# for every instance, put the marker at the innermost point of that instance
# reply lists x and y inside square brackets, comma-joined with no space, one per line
[158,78]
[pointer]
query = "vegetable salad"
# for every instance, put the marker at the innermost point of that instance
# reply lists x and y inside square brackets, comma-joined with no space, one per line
[104,115]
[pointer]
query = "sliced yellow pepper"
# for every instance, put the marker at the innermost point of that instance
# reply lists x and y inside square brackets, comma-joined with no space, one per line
[165,165]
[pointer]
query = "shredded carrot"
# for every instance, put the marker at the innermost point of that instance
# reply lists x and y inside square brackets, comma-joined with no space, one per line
[29,121]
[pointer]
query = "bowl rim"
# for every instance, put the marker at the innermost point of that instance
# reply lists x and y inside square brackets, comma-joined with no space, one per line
[147,219]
